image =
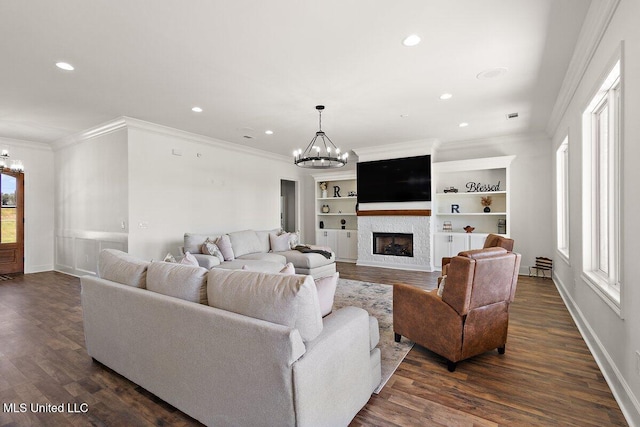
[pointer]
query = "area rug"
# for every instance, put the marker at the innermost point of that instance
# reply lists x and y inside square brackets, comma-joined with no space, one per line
[377,299]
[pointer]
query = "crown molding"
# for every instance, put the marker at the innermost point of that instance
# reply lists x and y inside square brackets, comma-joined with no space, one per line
[94,132]
[200,139]
[393,151]
[489,142]
[21,143]
[593,29]
[137,124]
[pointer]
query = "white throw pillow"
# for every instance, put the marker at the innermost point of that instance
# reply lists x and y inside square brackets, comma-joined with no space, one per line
[288,269]
[326,287]
[441,286]
[209,247]
[279,243]
[224,244]
[189,260]
[294,239]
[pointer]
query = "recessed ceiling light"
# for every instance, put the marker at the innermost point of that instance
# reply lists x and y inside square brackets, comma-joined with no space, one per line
[196,110]
[491,73]
[65,66]
[268,132]
[446,96]
[463,124]
[411,40]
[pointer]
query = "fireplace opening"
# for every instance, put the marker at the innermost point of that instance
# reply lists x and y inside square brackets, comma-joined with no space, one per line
[395,244]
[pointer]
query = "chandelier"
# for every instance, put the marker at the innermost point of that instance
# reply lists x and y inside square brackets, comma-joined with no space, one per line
[16,165]
[321,153]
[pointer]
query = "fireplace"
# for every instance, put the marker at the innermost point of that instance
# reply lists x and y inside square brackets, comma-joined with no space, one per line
[394,244]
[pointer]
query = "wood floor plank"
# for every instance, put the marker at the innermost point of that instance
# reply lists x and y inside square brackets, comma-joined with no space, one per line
[546,377]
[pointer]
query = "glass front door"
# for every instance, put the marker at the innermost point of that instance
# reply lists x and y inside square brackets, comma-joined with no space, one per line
[11,223]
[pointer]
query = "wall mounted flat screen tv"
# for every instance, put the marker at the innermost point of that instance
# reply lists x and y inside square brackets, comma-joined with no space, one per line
[395,180]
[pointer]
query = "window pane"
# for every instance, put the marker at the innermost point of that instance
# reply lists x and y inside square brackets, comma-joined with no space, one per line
[602,147]
[8,214]
[562,197]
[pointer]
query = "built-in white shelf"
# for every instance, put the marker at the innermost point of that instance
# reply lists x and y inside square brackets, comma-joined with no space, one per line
[478,193]
[333,199]
[471,214]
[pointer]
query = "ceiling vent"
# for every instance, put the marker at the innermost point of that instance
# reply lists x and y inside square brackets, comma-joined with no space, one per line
[512,116]
[247,136]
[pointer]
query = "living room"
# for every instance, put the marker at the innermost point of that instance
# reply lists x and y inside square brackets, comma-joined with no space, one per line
[121,178]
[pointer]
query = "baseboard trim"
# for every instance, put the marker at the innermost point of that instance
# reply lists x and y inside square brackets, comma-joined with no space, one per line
[28,269]
[623,394]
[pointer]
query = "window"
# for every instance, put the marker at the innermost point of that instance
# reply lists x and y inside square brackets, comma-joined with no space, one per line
[601,184]
[562,197]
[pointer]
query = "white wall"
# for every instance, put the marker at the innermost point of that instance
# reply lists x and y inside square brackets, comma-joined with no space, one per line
[38,181]
[530,184]
[227,188]
[90,199]
[614,341]
[121,186]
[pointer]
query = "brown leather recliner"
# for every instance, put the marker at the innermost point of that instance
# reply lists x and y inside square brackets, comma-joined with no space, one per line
[492,241]
[472,315]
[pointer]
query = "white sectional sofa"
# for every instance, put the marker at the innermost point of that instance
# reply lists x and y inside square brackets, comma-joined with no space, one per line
[252,250]
[230,348]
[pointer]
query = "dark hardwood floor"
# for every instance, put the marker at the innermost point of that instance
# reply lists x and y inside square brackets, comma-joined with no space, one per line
[546,377]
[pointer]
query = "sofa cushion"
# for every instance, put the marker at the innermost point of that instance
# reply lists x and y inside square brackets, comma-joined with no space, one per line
[180,281]
[308,260]
[263,237]
[206,261]
[123,268]
[245,242]
[289,300]
[265,256]
[224,244]
[251,265]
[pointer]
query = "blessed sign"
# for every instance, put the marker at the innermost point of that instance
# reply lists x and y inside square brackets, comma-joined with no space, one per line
[478,187]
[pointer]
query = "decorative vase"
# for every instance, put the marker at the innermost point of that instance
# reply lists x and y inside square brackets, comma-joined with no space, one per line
[321,224]
[487,209]
[324,194]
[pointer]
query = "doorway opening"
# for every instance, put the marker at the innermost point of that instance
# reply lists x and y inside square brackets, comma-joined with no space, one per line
[11,222]
[288,205]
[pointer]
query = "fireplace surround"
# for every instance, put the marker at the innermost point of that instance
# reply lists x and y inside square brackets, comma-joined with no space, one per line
[419,227]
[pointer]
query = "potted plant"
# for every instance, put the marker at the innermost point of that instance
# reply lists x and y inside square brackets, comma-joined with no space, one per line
[323,189]
[486,202]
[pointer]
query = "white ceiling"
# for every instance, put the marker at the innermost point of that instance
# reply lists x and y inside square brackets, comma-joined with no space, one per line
[255,65]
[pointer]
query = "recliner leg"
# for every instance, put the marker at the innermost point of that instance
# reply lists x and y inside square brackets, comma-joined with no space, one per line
[451,366]
[397,337]
[502,349]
